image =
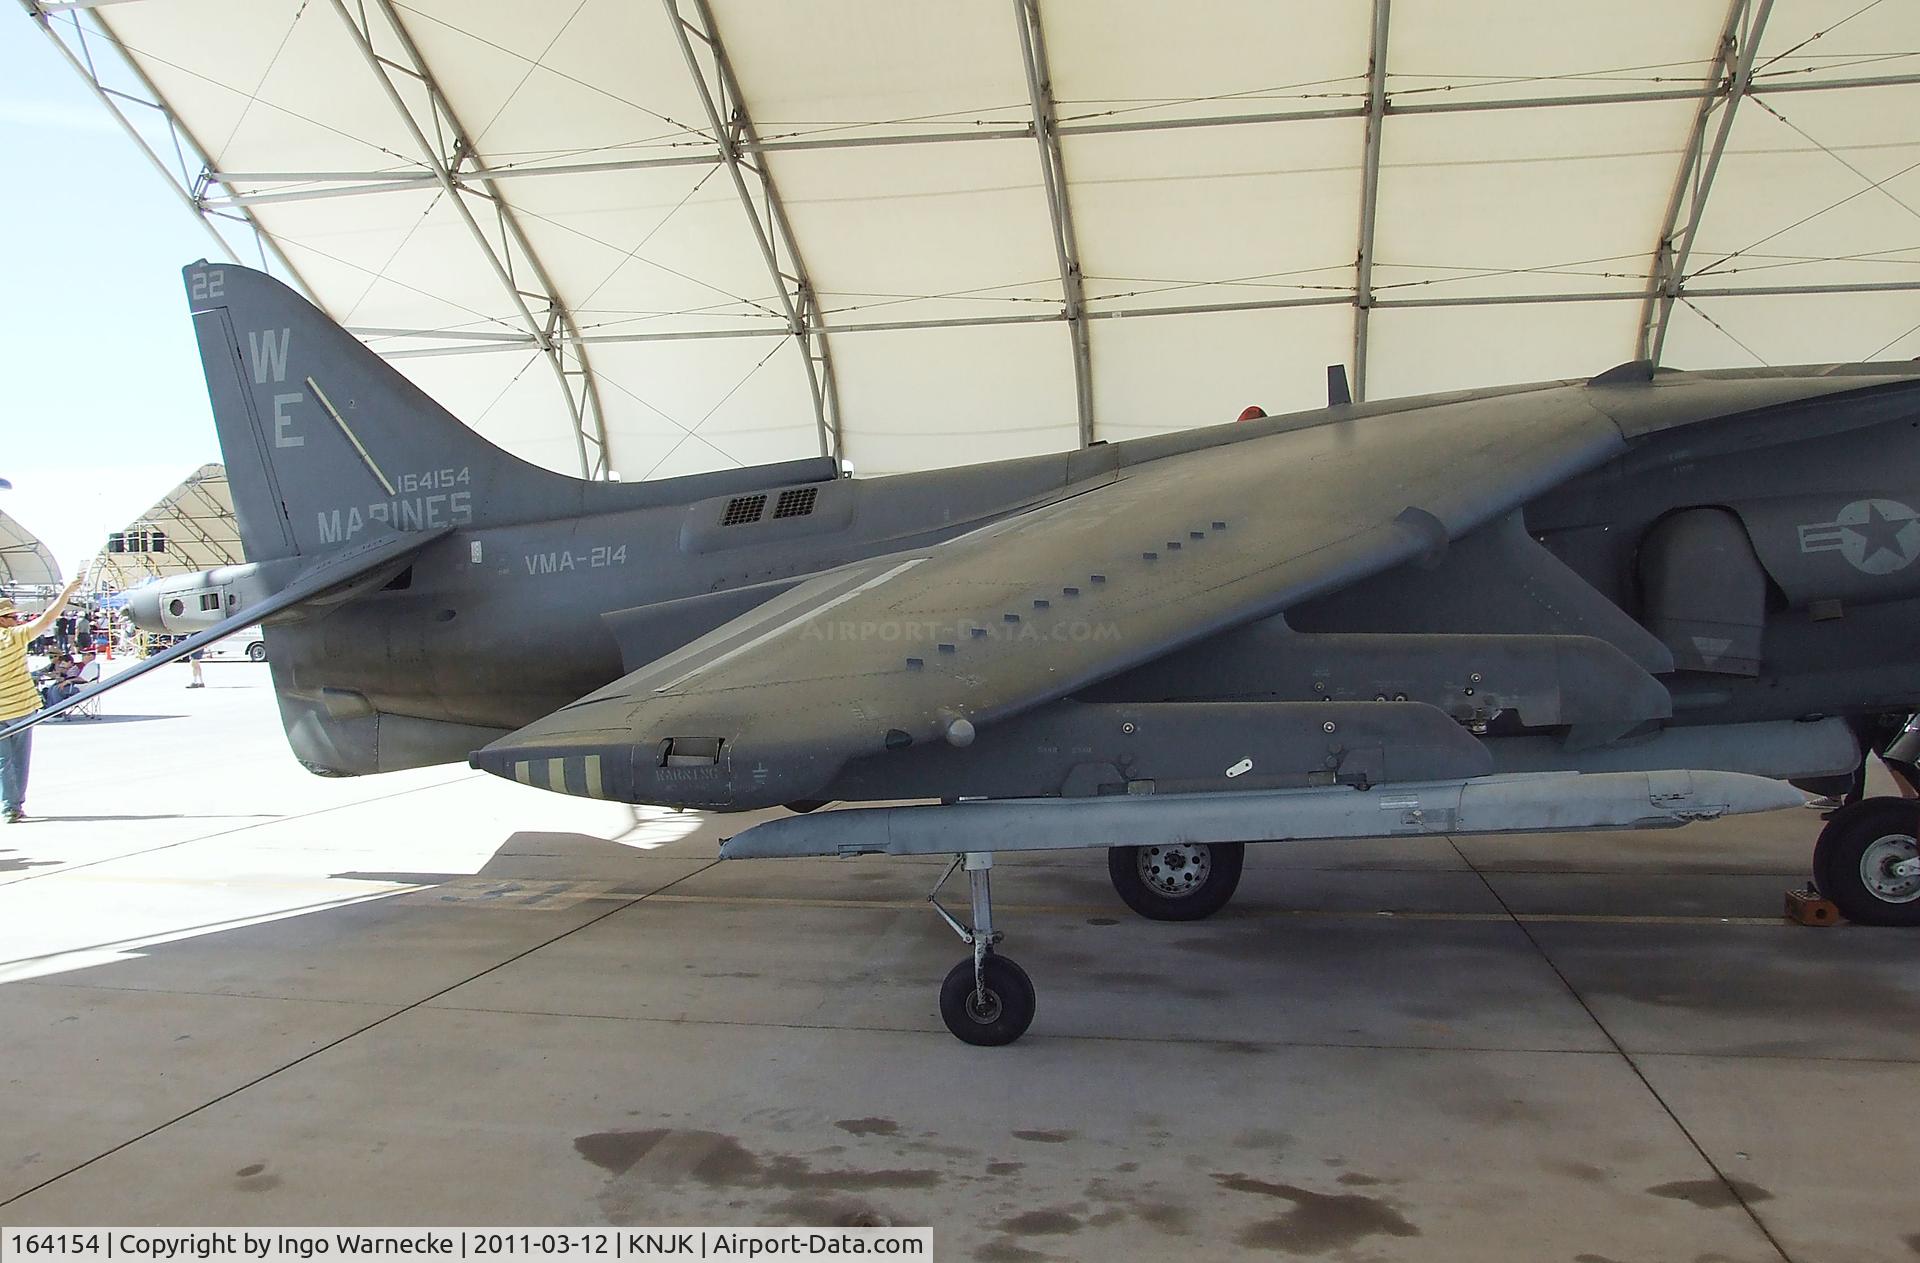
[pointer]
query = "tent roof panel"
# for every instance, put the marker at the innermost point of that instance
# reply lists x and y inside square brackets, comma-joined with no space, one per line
[595,128]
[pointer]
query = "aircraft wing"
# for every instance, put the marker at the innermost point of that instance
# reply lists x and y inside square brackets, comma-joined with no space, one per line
[925,645]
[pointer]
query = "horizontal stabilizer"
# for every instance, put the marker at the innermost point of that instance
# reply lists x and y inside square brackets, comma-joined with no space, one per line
[335,570]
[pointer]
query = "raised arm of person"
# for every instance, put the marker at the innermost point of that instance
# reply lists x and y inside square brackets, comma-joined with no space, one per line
[41,625]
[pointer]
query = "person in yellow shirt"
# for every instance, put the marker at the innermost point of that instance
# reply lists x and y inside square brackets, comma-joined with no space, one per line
[19,697]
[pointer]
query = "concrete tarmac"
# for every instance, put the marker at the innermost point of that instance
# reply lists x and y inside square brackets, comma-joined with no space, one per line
[234,993]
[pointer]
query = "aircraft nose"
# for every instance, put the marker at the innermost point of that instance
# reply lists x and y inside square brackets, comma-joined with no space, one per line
[143,607]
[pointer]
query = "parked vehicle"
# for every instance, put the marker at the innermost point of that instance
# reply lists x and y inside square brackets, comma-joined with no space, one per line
[247,644]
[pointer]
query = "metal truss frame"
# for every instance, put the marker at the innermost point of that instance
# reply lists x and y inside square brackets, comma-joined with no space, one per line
[1730,82]
[62,25]
[737,143]
[460,342]
[1066,248]
[318,185]
[1369,195]
[553,330]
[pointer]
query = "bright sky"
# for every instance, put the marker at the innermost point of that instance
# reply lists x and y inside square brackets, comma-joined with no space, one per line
[102,406]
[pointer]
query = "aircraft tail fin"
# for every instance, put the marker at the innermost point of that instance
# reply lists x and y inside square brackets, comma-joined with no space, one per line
[325,442]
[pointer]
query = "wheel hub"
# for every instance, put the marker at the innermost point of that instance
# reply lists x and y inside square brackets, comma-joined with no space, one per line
[983,1006]
[1887,868]
[1174,871]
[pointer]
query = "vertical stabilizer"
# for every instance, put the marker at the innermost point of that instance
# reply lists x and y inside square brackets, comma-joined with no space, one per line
[326,443]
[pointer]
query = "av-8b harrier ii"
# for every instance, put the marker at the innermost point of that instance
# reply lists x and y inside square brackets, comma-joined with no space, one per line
[1625,602]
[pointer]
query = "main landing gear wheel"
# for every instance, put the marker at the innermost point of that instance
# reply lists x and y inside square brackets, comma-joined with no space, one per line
[1182,882]
[986,999]
[1868,861]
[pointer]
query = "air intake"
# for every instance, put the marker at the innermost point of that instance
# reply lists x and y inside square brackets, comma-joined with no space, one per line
[744,509]
[797,502]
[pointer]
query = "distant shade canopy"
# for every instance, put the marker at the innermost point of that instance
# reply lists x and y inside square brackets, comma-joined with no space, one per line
[190,528]
[655,238]
[24,560]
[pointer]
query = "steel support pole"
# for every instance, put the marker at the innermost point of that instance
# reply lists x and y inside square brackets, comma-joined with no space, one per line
[1066,249]
[583,408]
[331,184]
[734,135]
[1369,197]
[464,344]
[1739,45]
[187,147]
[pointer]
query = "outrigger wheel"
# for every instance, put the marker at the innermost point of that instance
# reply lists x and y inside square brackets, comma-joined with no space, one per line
[1181,882]
[986,999]
[994,1008]
[1867,861]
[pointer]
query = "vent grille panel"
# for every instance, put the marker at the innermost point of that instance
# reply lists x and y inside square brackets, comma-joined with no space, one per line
[796,502]
[743,509]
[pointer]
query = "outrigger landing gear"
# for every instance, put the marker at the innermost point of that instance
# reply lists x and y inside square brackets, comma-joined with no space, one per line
[987,1000]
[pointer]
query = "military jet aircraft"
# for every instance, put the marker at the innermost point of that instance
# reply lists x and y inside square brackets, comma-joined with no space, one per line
[1625,602]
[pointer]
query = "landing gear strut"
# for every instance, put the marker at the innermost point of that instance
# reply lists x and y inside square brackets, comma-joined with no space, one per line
[987,1000]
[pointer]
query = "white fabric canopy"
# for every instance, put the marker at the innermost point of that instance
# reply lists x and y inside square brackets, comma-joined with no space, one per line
[195,530]
[24,560]
[531,208]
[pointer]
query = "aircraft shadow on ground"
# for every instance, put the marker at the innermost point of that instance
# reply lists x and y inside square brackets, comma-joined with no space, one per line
[567,856]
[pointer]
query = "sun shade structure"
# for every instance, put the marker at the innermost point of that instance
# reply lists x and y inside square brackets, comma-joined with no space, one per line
[24,560]
[641,239]
[191,528]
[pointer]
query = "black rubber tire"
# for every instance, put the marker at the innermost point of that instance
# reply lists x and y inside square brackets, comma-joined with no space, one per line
[256,652]
[1012,993]
[1843,844]
[1205,899]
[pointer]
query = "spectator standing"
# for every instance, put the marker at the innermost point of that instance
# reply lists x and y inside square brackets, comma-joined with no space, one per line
[18,696]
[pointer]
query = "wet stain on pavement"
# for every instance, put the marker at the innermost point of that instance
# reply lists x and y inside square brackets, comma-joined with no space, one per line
[254,1178]
[1712,1194]
[1318,1222]
[1580,1171]
[1044,1137]
[868,1126]
[1004,1168]
[1007,1252]
[720,1161]
[1913,1241]
[1103,921]
[1040,1223]
[1354,1179]
[1263,1138]
[1165,1216]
